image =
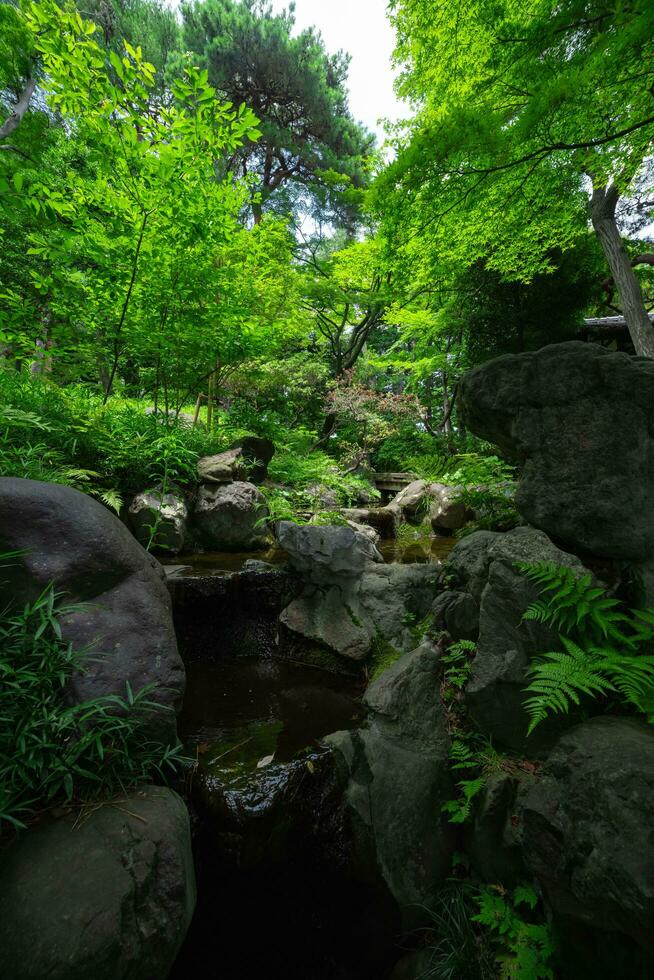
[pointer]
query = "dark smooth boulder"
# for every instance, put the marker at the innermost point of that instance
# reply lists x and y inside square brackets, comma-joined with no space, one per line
[396,777]
[107,894]
[458,614]
[586,827]
[125,621]
[257,452]
[579,418]
[384,521]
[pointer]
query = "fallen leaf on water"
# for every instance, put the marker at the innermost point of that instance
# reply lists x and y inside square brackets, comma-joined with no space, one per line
[265,761]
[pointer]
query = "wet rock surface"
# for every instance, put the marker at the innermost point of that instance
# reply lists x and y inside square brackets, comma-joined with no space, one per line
[395,776]
[277,897]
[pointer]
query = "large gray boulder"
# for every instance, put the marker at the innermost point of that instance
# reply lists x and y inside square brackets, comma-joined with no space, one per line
[350,615]
[107,894]
[409,501]
[395,775]
[579,418]
[246,460]
[159,519]
[448,512]
[225,467]
[230,517]
[70,539]
[383,520]
[585,827]
[326,553]
[484,565]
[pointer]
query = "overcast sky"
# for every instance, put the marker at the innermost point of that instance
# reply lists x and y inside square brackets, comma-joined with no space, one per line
[359,27]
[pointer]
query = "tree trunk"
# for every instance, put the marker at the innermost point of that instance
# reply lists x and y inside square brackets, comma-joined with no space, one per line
[210,397]
[603,204]
[447,408]
[13,121]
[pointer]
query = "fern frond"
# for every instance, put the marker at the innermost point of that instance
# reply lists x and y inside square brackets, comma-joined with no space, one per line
[561,677]
[574,605]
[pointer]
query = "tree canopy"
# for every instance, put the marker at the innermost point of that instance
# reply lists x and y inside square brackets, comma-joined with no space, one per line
[522,109]
[312,154]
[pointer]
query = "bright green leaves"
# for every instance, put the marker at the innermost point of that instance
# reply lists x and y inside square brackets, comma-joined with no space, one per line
[132,204]
[515,101]
[605,648]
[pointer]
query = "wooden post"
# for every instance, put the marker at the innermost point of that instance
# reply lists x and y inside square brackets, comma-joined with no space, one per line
[210,396]
[196,413]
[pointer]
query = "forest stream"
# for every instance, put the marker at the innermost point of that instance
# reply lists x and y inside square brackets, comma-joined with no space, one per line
[268,833]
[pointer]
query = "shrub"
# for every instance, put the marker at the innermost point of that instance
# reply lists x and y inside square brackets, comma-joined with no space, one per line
[68,436]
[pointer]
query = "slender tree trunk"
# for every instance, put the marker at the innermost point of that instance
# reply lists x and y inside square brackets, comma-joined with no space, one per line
[603,205]
[212,388]
[13,121]
[123,313]
[447,410]
[196,413]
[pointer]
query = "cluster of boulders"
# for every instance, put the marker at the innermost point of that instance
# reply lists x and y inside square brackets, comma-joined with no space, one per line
[350,598]
[571,809]
[107,890]
[226,512]
[420,501]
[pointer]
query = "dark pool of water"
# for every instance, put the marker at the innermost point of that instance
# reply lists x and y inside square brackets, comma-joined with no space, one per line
[431,550]
[242,710]
[276,901]
[222,562]
[434,549]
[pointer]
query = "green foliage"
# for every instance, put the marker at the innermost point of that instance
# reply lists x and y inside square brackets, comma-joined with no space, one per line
[511,119]
[52,751]
[485,933]
[69,436]
[311,480]
[605,647]
[524,947]
[459,947]
[573,603]
[457,661]
[312,155]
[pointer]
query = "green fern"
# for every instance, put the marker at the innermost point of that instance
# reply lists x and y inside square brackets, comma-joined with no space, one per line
[600,642]
[573,603]
[110,498]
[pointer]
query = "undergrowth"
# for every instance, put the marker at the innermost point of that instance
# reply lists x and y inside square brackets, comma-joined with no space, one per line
[55,751]
[482,932]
